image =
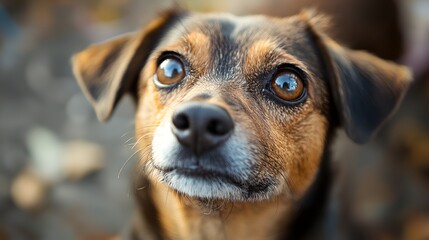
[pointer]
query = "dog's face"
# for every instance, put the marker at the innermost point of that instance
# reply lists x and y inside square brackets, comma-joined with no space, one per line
[238,108]
[236,112]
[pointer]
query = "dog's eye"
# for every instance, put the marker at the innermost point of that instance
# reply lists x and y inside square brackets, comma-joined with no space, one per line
[170,71]
[287,85]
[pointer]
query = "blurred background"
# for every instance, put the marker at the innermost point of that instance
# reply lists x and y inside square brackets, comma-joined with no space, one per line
[63,175]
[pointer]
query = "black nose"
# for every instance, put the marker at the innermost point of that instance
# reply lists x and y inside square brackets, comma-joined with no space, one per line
[201,126]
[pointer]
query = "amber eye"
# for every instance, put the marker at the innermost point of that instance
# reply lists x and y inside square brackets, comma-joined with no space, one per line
[170,71]
[287,85]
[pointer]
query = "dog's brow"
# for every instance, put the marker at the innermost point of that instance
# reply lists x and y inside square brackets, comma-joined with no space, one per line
[195,40]
[260,56]
[261,50]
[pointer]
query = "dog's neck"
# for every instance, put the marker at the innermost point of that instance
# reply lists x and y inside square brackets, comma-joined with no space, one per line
[183,218]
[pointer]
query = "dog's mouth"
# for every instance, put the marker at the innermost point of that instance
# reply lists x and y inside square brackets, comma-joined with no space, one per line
[199,172]
[226,172]
[202,183]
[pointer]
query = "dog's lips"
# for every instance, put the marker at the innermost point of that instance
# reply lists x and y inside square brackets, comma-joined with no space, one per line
[195,171]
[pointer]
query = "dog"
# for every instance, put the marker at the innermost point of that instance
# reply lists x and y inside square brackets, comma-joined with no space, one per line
[235,117]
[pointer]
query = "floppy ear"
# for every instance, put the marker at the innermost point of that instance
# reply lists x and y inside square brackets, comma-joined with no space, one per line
[365,88]
[108,70]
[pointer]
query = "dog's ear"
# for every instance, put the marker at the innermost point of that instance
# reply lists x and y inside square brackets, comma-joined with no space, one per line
[365,88]
[108,70]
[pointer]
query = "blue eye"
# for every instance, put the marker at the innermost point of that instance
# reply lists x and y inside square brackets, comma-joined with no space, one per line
[287,85]
[170,71]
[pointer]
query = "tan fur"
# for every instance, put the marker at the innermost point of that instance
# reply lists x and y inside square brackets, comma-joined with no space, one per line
[186,219]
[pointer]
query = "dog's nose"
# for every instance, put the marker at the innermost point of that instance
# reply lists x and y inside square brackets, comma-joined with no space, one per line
[201,126]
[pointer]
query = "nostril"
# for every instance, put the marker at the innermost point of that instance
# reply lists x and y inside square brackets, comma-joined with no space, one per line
[216,127]
[201,126]
[181,121]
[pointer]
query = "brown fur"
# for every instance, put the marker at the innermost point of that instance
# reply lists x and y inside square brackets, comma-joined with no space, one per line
[229,57]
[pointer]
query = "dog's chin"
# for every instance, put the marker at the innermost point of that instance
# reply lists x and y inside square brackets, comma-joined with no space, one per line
[209,185]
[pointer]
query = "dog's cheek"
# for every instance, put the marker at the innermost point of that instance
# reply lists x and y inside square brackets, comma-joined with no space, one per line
[300,150]
[148,115]
[313,135]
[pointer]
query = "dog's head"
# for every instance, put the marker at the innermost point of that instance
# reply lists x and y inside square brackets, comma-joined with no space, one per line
[238,108]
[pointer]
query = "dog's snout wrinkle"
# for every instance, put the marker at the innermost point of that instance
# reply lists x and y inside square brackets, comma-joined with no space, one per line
[201,126]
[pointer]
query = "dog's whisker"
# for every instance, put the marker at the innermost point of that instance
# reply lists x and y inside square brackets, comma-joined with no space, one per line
[125,163]
[146,151]
[131,138]
[125,134]
[145,186]
[148,135]
[138,140]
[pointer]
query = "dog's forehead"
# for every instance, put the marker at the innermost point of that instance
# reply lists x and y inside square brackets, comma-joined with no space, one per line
[235,43]
[240,31]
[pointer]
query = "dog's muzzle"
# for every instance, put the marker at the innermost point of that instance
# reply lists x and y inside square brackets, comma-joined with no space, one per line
[201,152]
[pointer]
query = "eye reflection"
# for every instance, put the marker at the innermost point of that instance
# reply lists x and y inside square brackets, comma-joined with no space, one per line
[170,71]
[287,85]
